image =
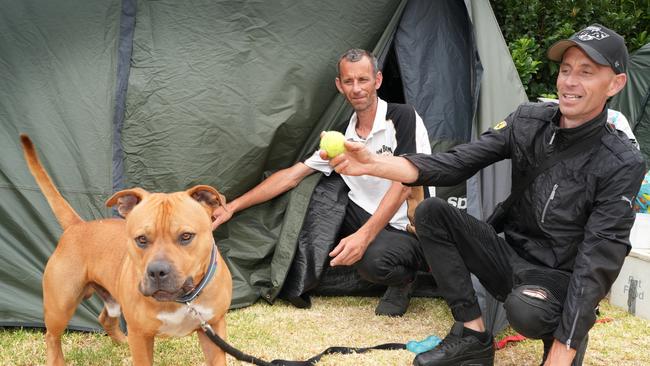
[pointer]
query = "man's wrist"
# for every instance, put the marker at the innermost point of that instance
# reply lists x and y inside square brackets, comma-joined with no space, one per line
[366,232]
[231,207]
[377,164]
[560,354]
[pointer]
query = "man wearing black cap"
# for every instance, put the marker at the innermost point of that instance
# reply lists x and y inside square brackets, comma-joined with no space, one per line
[567,228]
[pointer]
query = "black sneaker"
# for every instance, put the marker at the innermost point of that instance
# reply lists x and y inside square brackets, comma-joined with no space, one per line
[456,350]
[395,300]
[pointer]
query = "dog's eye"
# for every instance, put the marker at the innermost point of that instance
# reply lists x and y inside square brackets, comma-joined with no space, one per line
[186,238]
[141,241]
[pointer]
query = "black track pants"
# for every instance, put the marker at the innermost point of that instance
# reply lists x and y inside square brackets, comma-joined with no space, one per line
[393,257]
[456,244]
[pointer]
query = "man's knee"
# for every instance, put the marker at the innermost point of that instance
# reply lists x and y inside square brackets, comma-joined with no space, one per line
[430,210]
[533,311]
[375,268]
[370,272]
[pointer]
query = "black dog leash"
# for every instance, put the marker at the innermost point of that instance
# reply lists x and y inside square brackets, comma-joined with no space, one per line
[241,356]
[341,350]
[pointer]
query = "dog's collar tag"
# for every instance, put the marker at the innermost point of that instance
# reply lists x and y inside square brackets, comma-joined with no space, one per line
[212,269]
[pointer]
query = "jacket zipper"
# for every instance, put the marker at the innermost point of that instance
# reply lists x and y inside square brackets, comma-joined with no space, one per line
[548,202]
[573,329]
[575,322]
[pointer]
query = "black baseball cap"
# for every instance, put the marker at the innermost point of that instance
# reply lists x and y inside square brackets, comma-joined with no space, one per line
[601,44]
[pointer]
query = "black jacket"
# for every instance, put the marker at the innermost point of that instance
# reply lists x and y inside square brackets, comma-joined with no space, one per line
[576,216]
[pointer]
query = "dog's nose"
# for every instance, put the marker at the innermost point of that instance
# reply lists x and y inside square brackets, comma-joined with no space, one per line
[158,270]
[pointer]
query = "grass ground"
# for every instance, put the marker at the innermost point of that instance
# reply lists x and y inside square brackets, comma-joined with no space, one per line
[284,332]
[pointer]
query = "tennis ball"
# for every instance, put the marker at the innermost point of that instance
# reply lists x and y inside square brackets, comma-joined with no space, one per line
[333,143]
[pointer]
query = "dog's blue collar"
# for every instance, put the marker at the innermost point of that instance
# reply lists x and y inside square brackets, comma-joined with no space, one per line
[212,269]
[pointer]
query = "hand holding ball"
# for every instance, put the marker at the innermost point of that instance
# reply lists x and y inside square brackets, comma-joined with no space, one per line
[333,142]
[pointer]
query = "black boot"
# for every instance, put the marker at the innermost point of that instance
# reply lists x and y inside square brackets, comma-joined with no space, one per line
[547,347]
[395,300]
[456,350]
[580,352]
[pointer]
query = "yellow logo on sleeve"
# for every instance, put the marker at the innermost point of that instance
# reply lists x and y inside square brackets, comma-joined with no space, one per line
[500,125]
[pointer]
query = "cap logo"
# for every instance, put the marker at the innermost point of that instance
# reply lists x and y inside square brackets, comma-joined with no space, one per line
[592,33]
[500,125]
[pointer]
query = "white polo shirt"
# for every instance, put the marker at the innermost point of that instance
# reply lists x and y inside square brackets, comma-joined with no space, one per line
[367,191]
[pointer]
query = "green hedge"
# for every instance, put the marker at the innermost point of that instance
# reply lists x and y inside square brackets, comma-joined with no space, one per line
[531,26]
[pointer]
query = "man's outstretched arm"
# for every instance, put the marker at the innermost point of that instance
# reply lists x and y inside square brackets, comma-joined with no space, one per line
[358,160]
[273,186]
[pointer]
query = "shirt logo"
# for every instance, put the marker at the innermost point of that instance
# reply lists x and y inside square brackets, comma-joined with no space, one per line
[500,125]
[384,150]
[592,33]
[629,201]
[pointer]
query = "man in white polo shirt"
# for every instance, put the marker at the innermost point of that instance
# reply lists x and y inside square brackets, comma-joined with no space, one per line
[373,237]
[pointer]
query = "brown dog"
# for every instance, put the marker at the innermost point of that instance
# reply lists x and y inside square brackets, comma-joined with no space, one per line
[145,267]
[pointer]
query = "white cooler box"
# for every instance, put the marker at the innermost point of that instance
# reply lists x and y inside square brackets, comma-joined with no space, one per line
[640,234]
[631,290]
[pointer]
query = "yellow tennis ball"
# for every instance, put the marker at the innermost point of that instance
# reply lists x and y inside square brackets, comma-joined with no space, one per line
[333,142]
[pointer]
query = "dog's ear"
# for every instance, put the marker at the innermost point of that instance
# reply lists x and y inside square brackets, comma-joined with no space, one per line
[207,196]
[126,200]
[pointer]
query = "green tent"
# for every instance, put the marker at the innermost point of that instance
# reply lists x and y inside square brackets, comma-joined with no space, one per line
[634,100]
[168,94]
